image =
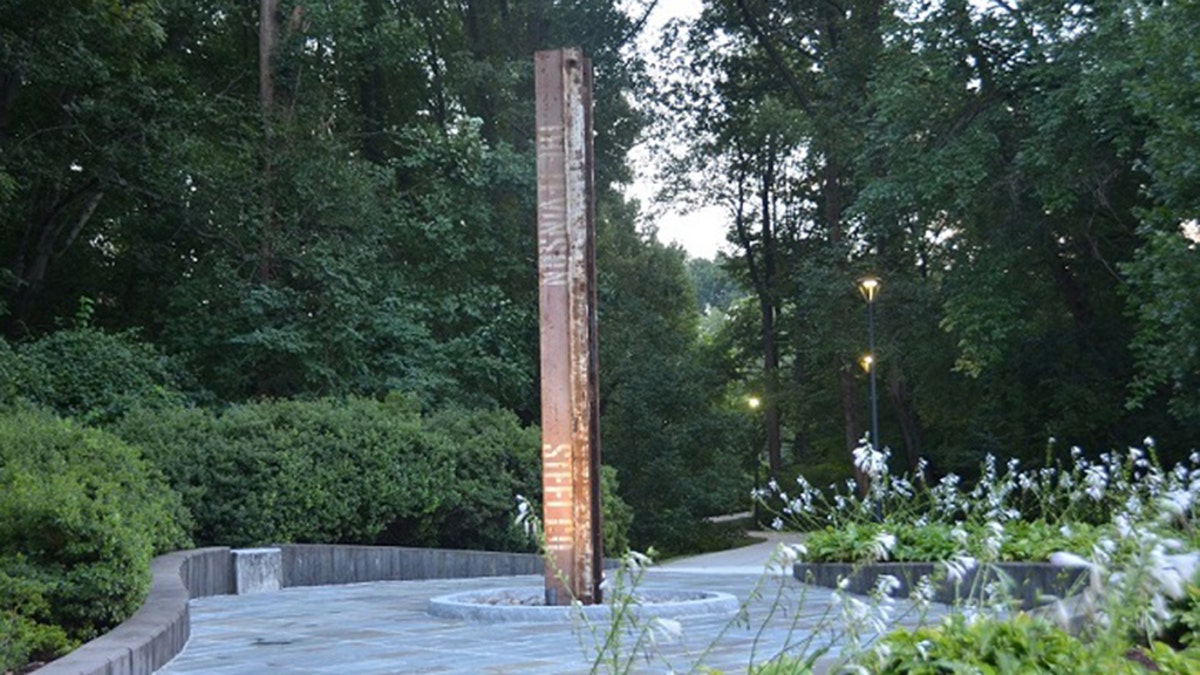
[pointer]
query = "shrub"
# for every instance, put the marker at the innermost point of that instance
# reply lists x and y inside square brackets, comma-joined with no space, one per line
[89,374]
[1032,541]
[81,515]
[488,457]
[291,471]
[493,459]
[1018,645]
[617,516]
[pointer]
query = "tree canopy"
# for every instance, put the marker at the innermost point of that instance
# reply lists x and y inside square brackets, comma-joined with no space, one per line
[239,201]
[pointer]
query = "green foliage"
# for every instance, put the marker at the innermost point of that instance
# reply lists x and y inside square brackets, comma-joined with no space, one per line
[1036,540]
[616,515]
[90,374]
[81,515]
[23,640]
[491,458]
[354,470]
[1019,645]
[1183,631]
[680,451]
[1167,317]
[1024,541]
[288,471]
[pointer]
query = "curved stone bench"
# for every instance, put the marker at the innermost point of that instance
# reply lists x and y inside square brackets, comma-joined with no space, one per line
[158,631]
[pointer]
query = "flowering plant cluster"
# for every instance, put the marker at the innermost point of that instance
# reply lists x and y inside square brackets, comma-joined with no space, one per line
[1124,518]
[1009,514]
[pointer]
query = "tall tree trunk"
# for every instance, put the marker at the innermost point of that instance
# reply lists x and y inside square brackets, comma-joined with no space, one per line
[834,204]
[910,423]
[34,259]
[769,309]
[760,271]
[268,38]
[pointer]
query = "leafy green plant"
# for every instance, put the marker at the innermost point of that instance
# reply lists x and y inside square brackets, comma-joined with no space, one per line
[1021,644]
[289,471]
[485,457]
[81,515]
[91,375]
[1037,540]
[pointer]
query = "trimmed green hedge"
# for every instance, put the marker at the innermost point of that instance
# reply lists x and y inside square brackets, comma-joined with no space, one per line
[291,471]
[81,515]
[354,471]
[492,458]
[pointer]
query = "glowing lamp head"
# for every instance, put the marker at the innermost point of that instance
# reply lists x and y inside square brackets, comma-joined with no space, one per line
[868,287]
[867,362]
[754,402]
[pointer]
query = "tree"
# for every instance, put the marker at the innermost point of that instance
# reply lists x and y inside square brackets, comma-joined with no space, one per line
[75,133]
[665,427]
[781,120]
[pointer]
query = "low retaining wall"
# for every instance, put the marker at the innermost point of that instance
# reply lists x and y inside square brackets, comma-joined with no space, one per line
[161,627]
[318,565]
[1031,583]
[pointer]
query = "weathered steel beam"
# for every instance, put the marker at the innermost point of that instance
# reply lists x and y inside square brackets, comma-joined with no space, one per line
[567,304]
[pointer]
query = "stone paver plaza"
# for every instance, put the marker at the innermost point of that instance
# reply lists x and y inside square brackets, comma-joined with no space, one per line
[384,627]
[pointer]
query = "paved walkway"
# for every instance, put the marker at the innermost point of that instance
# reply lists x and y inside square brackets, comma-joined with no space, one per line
[384,628]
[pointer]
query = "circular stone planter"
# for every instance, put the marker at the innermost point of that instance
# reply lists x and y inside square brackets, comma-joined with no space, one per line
[526,604]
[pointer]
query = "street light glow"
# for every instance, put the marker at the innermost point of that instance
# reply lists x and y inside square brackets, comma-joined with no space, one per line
[867,361]
[753,402]
[868,286]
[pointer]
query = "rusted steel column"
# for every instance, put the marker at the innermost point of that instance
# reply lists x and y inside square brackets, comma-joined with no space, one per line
[567,303]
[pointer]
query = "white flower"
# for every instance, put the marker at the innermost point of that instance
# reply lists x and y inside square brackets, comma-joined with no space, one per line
[1174,571]
[1148,442]
[1068,559]
[1096,480]
[882,545]
[787,555]
[526,519]
[1176,503]
[668,630]
[922,594]
[958,566]
[635,562]
[923,649]
[1123,527]
[959,535]
[777,524]
[993,539]
[886,584]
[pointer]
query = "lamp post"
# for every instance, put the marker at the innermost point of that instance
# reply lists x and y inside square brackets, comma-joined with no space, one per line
[753,402]
[869,288]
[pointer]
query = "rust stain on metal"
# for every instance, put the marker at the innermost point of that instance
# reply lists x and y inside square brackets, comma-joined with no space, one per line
[567,305]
